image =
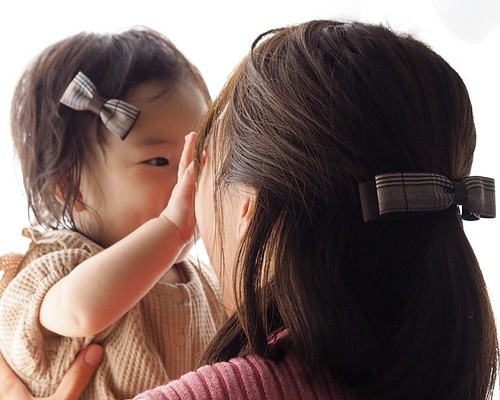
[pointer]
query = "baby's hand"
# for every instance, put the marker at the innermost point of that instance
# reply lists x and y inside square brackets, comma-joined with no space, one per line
[180,208]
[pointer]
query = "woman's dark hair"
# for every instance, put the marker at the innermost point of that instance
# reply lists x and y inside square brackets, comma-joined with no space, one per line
[393,309]
[52,140]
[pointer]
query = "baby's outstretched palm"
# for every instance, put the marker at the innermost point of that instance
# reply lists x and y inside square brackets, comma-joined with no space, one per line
[180,208]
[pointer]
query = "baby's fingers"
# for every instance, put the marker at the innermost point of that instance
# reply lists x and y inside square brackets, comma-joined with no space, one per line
[187,155]
[180,205]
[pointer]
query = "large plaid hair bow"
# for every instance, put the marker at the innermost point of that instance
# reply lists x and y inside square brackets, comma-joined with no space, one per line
[422,192]
[117,115]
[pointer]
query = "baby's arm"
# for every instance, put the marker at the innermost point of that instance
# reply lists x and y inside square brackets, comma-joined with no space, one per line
[104,287]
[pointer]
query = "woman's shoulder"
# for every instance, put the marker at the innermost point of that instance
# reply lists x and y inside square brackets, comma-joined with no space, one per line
[249,378]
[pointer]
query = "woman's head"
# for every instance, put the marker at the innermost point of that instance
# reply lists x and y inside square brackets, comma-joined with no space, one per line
[312,111]
[53,141]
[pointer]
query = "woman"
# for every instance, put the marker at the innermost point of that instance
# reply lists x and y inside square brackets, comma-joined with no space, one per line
[337,154]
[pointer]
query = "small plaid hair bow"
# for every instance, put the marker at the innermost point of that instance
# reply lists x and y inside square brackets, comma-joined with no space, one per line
[422,192]
[117,115]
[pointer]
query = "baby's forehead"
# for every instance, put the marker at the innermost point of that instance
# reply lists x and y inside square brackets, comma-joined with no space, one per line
[149,92]
[167,114]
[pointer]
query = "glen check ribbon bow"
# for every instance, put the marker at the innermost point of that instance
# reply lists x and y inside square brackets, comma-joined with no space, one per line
[116,115]
[422,192]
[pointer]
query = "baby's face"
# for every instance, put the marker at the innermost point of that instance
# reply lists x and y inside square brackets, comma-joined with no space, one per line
[130,181]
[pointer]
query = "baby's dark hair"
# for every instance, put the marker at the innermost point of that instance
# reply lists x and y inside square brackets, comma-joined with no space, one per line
[52,140]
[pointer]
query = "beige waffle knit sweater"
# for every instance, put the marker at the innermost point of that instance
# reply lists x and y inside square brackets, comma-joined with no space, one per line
[156,341]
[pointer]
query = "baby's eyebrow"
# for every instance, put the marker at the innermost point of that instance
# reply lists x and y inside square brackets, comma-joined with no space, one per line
[150,140]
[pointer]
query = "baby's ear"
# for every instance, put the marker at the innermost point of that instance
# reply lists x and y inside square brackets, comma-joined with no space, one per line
[247,207]
[79,204]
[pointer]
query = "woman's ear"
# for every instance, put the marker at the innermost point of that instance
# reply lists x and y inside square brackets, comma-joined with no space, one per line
[247,207]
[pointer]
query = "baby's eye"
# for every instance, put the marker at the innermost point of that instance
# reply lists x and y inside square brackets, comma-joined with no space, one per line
[158,162]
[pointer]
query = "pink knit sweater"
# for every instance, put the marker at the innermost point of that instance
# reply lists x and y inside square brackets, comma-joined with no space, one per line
[247,378]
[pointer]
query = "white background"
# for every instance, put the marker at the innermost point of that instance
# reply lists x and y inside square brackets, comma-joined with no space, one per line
[214,35]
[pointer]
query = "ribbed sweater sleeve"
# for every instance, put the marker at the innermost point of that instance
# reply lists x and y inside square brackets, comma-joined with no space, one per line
[246,378]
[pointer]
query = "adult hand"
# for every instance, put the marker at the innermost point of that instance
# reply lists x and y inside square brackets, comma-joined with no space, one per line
[71,387]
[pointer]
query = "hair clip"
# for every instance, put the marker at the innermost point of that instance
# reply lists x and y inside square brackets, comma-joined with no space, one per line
[117,115]
[402,192]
